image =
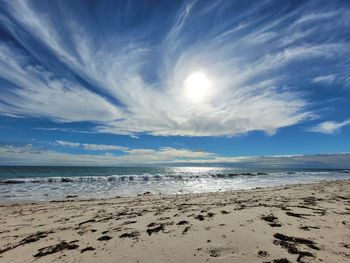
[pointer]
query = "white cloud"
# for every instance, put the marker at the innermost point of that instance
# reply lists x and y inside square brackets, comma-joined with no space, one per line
[28,155]
[145,154]
[328,79]
[170,153]
[68,144]
[65,130]
[36,92]
[92,147]
[329,127]
[244,59]
[103,147]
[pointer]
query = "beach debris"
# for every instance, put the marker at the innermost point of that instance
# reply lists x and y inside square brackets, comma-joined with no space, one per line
[105,219]
[104,238]
[298,240]
[156,229]
[29,239]
[263,253]
[133,234]
[87,249]
[63,245]
[87,221]
[199,217]
[273,224]
[272,220]
[269,218]
[210,214]
[62,201]
[129,222]
[342,197]
[297,215]
[71,196]
[310,200]
[290,243]
[280,260]
[345,245]
[186,230]
[35,237]
[307,228]
[183,222]
[224,212]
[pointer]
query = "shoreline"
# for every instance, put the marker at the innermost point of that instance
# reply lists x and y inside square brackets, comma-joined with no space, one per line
[76,197]
[306,222]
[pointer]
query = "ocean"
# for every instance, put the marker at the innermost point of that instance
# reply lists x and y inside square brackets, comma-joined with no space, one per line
[50,183]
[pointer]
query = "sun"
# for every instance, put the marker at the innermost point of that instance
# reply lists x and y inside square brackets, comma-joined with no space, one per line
[197,86]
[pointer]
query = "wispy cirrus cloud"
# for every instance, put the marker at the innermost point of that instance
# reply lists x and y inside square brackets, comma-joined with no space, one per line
[129,78]
[92,147]
[68,144]
[32,91]
[329,127]
[328,79]
[70,130]
[103,147]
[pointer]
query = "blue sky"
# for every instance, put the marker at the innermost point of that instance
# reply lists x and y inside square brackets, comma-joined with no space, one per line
[261,83]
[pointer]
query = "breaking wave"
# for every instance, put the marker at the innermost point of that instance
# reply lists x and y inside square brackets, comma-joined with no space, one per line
[144,177]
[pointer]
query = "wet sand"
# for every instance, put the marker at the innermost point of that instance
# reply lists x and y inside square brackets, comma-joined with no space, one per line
[294,223]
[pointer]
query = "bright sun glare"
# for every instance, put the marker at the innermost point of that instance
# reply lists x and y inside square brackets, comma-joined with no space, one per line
[197,86]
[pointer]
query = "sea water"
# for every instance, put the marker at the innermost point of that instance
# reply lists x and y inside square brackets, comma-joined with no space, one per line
[48,183]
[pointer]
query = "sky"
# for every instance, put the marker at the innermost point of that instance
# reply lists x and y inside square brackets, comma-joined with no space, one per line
[252,83]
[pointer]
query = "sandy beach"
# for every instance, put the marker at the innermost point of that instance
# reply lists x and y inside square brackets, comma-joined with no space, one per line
[293,223]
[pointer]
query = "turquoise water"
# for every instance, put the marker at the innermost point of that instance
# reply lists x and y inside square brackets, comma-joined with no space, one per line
[47,183]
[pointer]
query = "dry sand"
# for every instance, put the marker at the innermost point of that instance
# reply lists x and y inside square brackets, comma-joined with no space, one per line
[297,223]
